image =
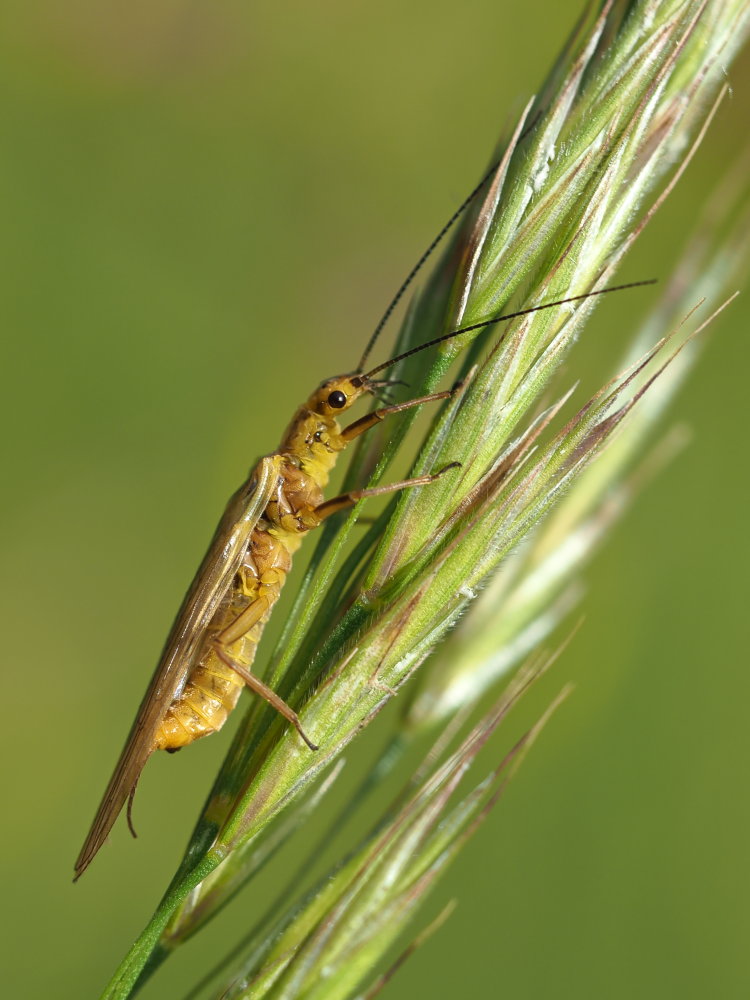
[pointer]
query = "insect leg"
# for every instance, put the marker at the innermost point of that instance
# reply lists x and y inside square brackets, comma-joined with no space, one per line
[244,622]
[256,684]
[370,419]
[335,504]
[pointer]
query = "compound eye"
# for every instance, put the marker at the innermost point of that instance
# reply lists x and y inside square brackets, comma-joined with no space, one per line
[337,399]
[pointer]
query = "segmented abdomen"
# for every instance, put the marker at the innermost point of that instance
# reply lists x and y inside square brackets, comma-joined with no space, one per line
[213,688]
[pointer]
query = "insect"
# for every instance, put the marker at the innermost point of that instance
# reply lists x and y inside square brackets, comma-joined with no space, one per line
[208,655]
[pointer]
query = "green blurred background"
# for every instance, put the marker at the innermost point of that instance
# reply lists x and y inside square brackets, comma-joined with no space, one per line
[205,209]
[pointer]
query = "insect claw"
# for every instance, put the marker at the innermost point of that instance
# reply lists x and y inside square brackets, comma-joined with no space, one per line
[311,745]
[450,465]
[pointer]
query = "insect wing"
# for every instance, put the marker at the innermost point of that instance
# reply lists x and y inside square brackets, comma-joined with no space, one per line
[183,644]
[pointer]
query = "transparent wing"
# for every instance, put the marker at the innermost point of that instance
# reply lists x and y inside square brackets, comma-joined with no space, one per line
[211,582]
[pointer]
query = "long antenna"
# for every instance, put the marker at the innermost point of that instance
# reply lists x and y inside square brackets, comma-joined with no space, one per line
[420,264]
[422,260]
[498,319]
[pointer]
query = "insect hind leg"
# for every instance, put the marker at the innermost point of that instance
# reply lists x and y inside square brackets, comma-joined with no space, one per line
[266,693]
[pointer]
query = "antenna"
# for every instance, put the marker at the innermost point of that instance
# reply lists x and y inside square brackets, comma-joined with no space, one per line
[423,259]
[507,316]
[420,264]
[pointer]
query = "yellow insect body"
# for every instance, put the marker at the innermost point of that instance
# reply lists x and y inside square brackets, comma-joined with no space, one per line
[209,652]
[307,454]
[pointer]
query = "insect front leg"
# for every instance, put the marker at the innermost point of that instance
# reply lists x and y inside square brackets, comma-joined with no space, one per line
[371,419]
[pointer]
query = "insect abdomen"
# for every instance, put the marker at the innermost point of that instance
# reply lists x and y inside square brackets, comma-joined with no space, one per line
[213,687]
[208,697]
